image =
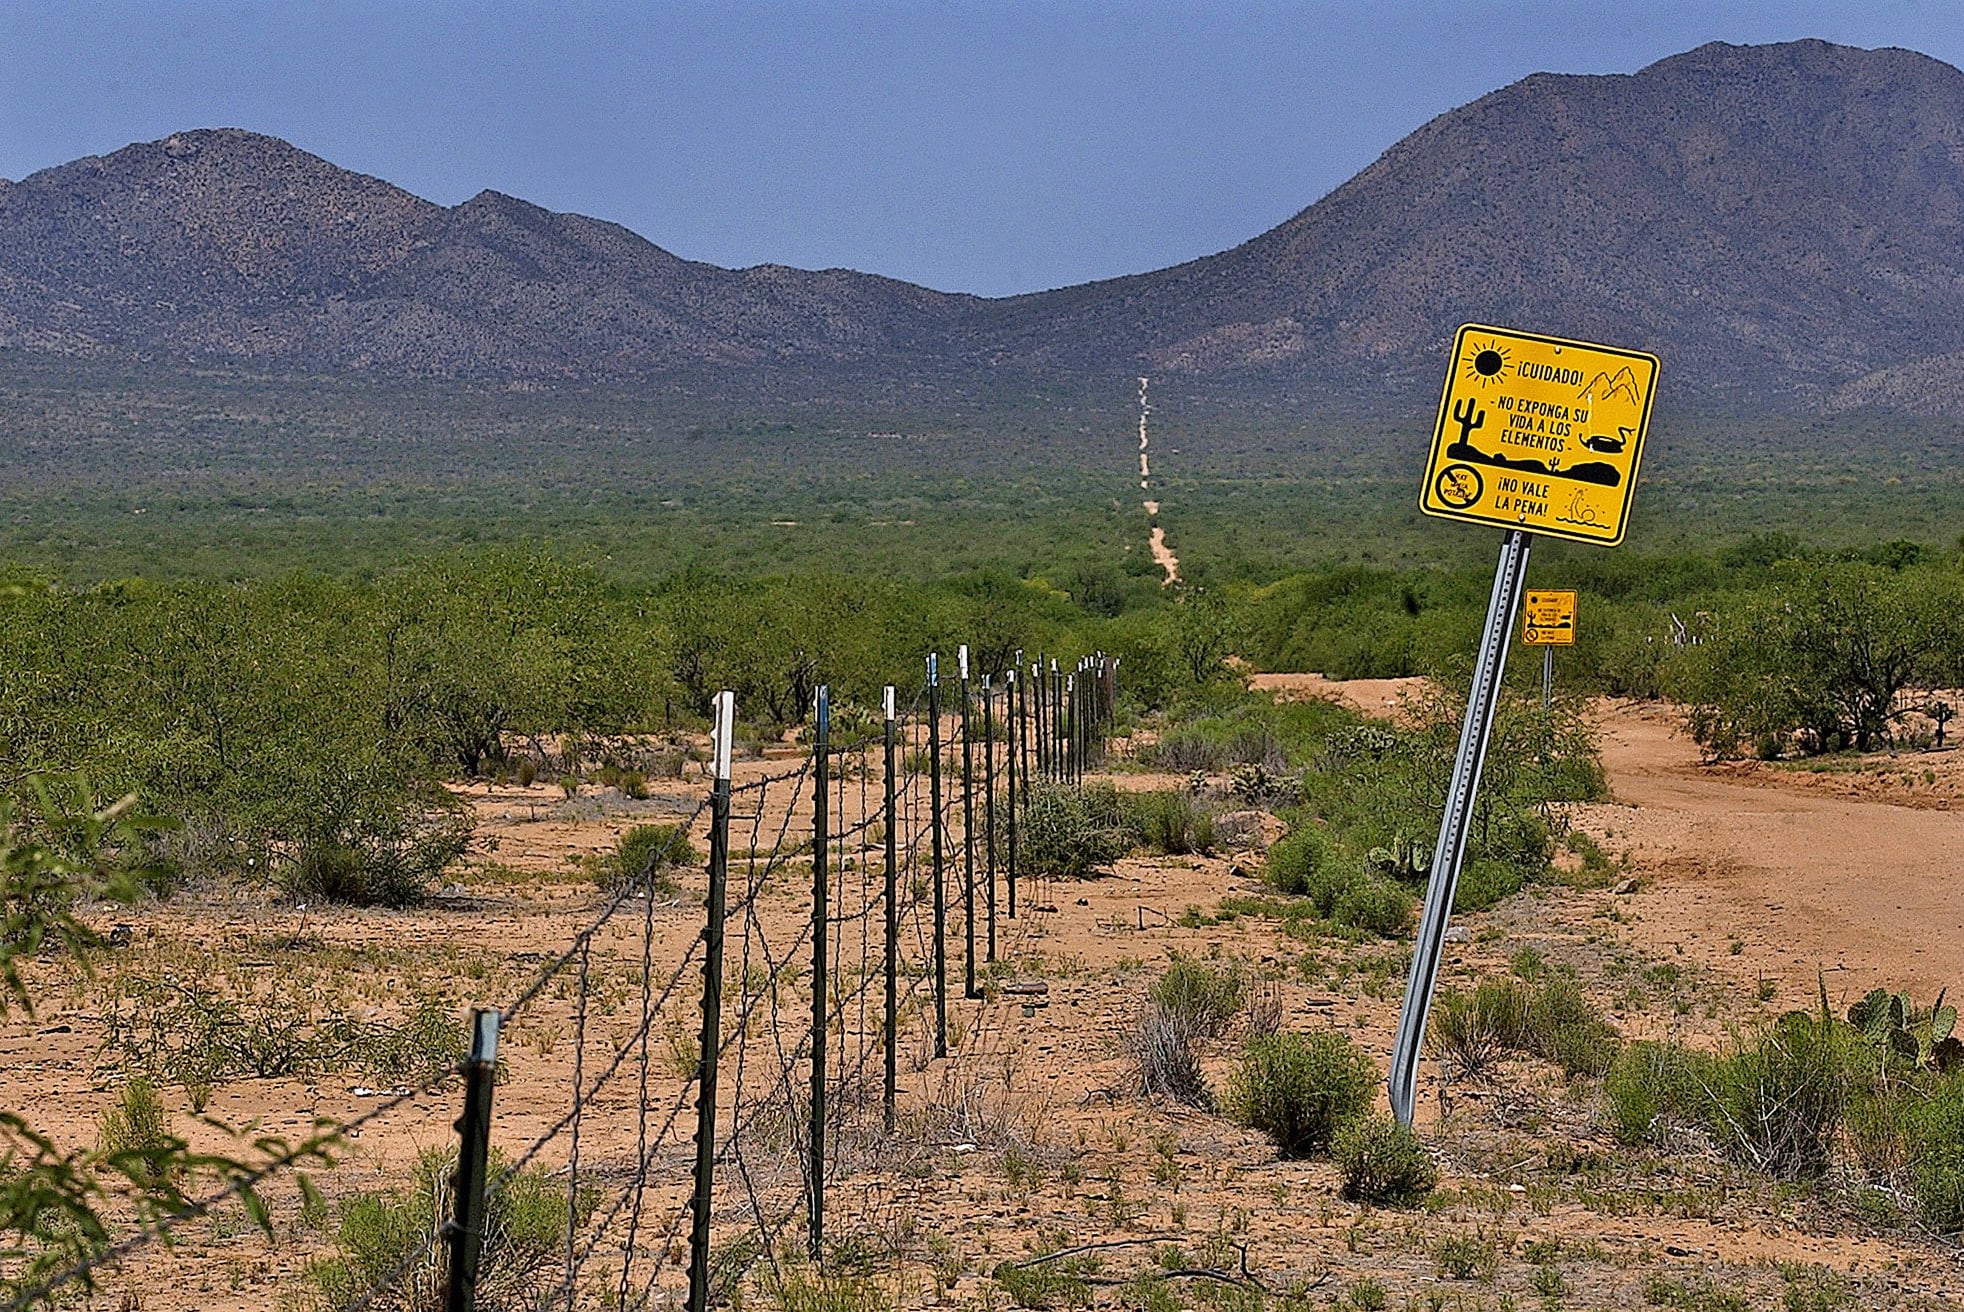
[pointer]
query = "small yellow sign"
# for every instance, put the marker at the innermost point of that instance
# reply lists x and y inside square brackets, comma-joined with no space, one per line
[1548,618]
[1539,433]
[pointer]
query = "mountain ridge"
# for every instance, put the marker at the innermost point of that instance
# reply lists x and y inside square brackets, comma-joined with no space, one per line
[1782,224]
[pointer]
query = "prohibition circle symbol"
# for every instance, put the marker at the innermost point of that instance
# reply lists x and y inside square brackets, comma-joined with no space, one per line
[1533,633]
[1459,486]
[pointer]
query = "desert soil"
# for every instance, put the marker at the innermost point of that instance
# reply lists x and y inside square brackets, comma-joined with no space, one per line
[1030,1135]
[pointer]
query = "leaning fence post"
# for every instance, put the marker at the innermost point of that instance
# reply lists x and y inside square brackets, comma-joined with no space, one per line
[712,1002]
[989,807]
[821,840]
[465,1232]
[934,831]
[968,830]
[890,815]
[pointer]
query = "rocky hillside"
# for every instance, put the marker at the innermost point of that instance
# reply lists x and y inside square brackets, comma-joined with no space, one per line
[227,245]
[1781,223]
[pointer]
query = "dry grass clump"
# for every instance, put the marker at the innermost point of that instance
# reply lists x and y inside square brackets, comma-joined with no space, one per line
[1192,1002]
[1550,1019]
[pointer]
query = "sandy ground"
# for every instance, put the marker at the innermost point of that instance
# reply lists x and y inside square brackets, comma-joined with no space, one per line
[1803,871]
[1860,889]
[1380,697]
[1846,874]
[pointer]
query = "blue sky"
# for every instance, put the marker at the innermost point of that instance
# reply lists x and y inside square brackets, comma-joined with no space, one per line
[995,148]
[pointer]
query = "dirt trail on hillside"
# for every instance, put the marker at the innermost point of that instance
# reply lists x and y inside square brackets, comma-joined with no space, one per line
[1865,892]
[1162,555]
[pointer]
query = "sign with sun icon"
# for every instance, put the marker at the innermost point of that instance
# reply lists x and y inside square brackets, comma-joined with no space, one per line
[1486,362]
[1539,433]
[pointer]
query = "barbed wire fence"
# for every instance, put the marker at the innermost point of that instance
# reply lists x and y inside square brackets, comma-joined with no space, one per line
[728,1062]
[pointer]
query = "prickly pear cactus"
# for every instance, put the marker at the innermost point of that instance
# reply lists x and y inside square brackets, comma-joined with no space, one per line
[1252,783]
[1406,858]
[1924,1040]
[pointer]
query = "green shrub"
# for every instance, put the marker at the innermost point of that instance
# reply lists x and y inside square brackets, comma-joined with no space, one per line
[135,1135]
[1777,1102]
[1485,882]
[1383,1162]
[198,1033]
[798,1287]
[1376,906]
[1566,1028]
[1205,997]
[1472,1029]
[1070,833]
[1935,1125]
[1298,1089]
[1467,1256]
[1295,859]
[653,853]
[1046,1285]
[1170,822]
[524,1240]
[1184,751]
[1305,863]
[371,840]
[1650,1083]
[1693,1294]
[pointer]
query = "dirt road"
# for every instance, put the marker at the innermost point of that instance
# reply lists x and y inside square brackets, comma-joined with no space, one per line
[1814,877]
[1865,892]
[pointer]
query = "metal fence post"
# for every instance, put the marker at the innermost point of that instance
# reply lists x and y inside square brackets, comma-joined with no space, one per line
[712,1002]
[1040,691]
[1070,728]
[1019,709]
[891,816]
[1053,741]
[934,832]
[989,807]
[821,840]
[968,831]
[1015,727]
[465,1233]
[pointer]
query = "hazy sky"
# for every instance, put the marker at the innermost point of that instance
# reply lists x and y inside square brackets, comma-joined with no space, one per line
[990,147]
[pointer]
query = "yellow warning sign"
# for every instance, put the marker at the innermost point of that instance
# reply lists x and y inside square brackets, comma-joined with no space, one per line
[1539,433]
[1548,618]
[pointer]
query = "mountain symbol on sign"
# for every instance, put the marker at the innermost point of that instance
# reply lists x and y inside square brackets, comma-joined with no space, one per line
[1604,386]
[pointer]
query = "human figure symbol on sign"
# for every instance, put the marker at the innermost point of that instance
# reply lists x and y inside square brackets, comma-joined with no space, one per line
[1459,486]
[1469,416]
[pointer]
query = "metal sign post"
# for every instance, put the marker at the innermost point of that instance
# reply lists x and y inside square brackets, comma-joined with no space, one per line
[1535,434]
[1489,664]
[1548,622]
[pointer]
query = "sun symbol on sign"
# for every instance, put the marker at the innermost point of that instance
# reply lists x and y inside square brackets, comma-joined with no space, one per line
[1486,363]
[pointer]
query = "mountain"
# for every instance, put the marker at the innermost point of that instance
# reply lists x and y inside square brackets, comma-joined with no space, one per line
[1770,220]
[226,245]
[1782,224]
